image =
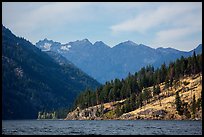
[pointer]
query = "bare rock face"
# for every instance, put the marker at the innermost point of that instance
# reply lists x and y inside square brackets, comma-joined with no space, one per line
[73,115]
[147,112]
[159,113]
[91,113]
[126,116]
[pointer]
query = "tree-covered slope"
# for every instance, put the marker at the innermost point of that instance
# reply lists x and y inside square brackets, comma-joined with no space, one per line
[146,85]
[33,81]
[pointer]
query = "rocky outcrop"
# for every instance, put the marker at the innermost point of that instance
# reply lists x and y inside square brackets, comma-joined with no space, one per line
[91,113]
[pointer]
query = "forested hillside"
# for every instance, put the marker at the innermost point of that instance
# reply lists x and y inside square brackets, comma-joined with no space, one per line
[32,81]
[133,92]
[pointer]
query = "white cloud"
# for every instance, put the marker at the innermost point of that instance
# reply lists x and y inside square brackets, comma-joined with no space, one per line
[62,21]
[163,14]
[174,34]
[182,31]
[41,14]
[169,24]
[179,38]
[33,15]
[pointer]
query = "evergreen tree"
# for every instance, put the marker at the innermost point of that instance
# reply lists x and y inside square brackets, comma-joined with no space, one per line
[185,110]
[163,72]
[128,91]
[198,104]
[195,64]
[200,62]
[123,94]
[166,82]
[111,95]
[183,66]
[146,95]
[102,109]
[190,66]
[156,91]
[178,103]
[177,68]
[171,73]
[98,113]
[193,107]
[97,96]
[140,100]
[126,106]
[118,111]
[132,101]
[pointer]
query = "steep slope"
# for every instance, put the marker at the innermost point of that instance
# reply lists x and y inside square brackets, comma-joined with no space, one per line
[163,108]
[32,81]
[167,102]
[169,92]
[97,59]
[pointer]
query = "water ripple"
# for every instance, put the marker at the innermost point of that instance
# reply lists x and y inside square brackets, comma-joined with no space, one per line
[137,127]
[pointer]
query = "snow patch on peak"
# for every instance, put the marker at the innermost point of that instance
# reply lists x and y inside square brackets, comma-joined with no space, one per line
[65,47]
[47,47]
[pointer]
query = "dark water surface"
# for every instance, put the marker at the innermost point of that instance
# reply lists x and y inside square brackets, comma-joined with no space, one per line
[109,127]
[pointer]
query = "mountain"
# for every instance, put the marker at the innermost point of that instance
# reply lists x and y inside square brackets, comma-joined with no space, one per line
[34,81]
[104,63]
[198,49]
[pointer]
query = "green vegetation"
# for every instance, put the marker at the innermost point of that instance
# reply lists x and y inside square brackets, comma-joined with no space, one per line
[110,114]
[43,115]
[193,106]
[32,81]
[134,88]
[178,103]
[57,114]
[189,110]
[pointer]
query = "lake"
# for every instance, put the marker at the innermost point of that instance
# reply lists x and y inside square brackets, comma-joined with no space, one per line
[103,127]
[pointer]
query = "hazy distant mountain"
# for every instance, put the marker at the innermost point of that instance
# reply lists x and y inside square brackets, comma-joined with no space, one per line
[105,63]
[33,81]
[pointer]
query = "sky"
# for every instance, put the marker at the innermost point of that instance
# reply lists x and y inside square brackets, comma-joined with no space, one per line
[156,24]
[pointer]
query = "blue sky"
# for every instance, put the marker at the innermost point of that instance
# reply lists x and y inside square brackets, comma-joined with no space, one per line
[168,24]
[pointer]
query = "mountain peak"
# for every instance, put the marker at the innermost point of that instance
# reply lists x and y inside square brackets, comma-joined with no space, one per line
[198,49]
[47,45]
[45,40]
[85,40]
[81,42]
[199,46]
[100,44]
[126,43]
[129,42]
